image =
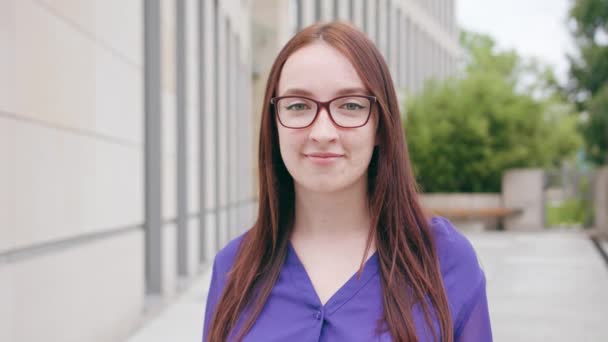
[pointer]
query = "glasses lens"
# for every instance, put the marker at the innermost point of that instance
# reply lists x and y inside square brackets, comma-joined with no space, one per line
[350,111]
[296,111]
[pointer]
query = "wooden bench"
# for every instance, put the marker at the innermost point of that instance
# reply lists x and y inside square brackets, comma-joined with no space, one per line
[476,213]
[498,213]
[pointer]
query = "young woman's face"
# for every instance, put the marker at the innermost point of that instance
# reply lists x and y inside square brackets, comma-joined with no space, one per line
[324,157]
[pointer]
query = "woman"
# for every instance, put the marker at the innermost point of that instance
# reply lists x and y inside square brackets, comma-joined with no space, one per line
[341,249]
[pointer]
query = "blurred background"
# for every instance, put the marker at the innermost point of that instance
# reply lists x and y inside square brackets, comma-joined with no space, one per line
[128,148]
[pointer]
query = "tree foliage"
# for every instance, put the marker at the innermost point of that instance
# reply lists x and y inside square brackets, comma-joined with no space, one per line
[463,133]
[588,85]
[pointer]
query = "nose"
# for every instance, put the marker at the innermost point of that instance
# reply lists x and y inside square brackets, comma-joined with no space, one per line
[323,129]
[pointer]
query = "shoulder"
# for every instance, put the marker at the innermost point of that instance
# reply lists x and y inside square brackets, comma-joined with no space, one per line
[462,274]
[224,259]
[454,250]
[222,264]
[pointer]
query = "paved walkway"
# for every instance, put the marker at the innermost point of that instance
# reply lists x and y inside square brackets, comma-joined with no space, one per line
[542,286]
[545,286]
[182,321]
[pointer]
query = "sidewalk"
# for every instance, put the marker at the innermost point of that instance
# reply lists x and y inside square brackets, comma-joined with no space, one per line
[542,286]
[182,320]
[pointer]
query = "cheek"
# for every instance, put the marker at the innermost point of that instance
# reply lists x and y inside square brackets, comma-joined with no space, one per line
[290,143]
[364,143]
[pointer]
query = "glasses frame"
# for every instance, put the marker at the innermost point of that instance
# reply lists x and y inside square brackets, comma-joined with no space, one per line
[320,104]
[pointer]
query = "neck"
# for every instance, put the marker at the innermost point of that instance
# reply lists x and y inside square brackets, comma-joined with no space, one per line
[335,216]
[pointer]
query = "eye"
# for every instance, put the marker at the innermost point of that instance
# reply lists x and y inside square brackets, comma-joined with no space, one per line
[352,106]
[297,106]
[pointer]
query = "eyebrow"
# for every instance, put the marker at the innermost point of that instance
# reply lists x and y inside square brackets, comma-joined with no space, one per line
[343,91]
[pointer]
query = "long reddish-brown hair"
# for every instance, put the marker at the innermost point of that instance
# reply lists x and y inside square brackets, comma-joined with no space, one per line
[407,257]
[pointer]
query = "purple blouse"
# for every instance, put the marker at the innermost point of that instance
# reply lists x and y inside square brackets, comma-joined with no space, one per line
[293,311]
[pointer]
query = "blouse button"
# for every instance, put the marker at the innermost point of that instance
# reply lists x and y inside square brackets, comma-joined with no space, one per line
[318,315]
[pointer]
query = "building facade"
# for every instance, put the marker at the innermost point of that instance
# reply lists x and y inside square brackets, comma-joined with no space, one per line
[125,137]
[128,141]
[418,38]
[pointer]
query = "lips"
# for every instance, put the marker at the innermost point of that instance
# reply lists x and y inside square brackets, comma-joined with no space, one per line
[323,155]
[323,159]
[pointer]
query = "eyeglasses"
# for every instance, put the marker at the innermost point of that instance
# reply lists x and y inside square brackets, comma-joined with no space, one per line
[350,111]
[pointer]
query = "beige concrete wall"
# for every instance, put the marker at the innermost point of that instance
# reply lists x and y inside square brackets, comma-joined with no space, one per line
[89,80]
[71,135]
[91,292]
[62,184]
[524,189]
[169,262]
[237,120]
[75,111]
[192,98]
[601,199]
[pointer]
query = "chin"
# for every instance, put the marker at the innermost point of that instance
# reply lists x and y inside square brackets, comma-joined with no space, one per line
[323,185]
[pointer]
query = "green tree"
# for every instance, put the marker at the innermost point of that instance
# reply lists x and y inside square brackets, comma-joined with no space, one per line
[588,85]
[465,132]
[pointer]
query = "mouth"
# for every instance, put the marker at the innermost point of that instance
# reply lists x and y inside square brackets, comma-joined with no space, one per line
[323,155]
[323,158]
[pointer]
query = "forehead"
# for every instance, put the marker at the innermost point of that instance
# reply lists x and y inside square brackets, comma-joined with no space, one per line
[320,70]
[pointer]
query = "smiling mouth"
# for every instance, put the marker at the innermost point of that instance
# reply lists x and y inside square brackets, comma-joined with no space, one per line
[323,155]
[323,159]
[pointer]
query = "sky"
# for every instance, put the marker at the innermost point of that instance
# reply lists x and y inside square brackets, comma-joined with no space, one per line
[532,27]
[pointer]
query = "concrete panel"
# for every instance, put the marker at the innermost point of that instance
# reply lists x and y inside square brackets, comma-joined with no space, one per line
[246,216]
[7,298]
[382,23]
[192,98]
[343,10]
[169,155]
[84,293]
[308,12]
[524,189]
[286,24]
[210,162]
[169,187]
[55,75]
[245,174]
[371,18]
[168,45]
[169,124]
[118,99]
[210,236]
[73,183]
[222,225]
[209,105]
[601,198]
[7,57]
[116,24]
[193,246]
[192,52]
[358,13]
[394,45]
[8,176]
[68,79]
[193,175]
[327,11]
[222,110]
[169,263]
